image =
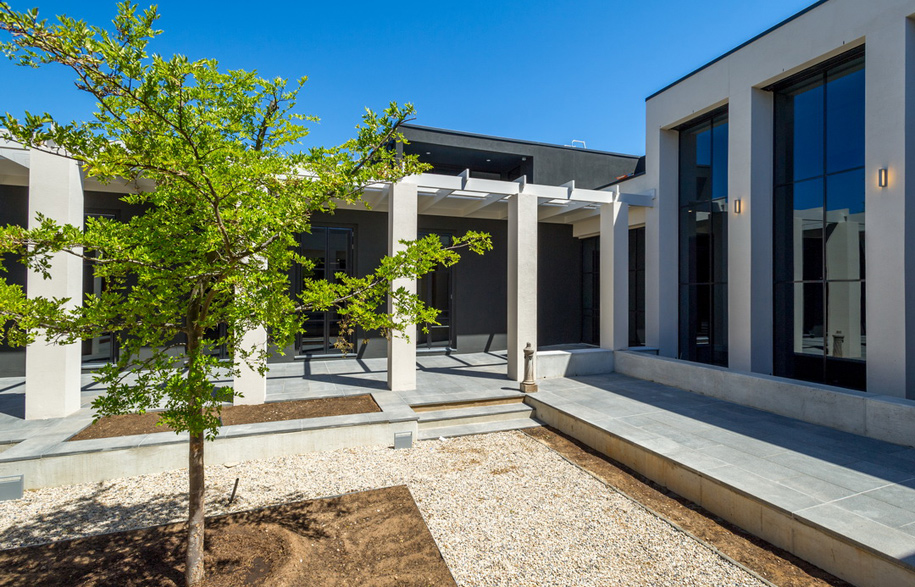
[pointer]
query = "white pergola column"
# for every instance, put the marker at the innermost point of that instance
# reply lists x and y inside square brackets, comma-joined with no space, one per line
[750,303]
[889,143]
[250,383]
[402,218]
[522,280]
[614,276]
[52,372]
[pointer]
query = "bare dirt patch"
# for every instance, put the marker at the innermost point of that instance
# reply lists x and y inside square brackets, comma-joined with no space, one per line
[128,424]
[773,564]
[373,538]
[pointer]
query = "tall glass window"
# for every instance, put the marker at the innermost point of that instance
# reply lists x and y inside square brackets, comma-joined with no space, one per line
[704,240]
[820,328]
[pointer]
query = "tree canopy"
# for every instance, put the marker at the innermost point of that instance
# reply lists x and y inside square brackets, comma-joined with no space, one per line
[233,186]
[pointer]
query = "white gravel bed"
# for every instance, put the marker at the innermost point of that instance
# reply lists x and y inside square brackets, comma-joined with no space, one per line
[503,508]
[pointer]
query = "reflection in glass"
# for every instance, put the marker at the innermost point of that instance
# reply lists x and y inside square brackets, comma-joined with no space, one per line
[807,119]
[845,225]
[846,336]
[809,326]
[820,225]
[703,240]
[844,117]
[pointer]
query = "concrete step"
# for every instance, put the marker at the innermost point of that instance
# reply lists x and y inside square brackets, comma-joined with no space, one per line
[473,415]
[479,428]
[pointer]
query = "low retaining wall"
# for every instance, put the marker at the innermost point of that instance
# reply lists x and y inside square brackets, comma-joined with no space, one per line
[91,461]
[571,363]
[866,414]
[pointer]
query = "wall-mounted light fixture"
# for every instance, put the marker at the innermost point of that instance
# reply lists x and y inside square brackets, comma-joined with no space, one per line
[737,206]
[883,177]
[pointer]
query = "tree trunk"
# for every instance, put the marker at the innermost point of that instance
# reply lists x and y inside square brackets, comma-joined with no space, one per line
[195,519]
[194,569]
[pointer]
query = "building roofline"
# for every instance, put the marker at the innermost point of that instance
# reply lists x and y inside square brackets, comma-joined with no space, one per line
[738,47]
[516,141]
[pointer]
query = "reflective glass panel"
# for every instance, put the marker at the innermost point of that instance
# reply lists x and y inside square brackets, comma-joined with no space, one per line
[696,164]
[807,121]
[718,224]
[809,323]
[720,159]
[845,337]
[845,225]
[845,117]
[808,230]
[695,239]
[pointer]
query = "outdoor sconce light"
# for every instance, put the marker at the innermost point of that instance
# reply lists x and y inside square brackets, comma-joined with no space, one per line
[883,177]
[736,206]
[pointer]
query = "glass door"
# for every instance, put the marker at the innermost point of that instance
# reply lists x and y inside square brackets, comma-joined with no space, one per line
[101,349]
[332,251]
[436,289]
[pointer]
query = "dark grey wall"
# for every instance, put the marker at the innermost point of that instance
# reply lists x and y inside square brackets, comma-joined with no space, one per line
[552,164]
[481,282]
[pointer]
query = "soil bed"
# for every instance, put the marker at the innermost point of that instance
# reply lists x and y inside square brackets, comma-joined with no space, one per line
[129,424]
[769,562]
[372,538]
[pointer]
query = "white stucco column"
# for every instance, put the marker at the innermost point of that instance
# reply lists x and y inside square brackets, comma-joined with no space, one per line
[889,143]
[750,302]
[614,276]
[522,280]
[249,382]
[661,242]
[52,372]
[401,226]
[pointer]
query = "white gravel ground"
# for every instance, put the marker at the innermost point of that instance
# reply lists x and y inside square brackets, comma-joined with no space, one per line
[503,508]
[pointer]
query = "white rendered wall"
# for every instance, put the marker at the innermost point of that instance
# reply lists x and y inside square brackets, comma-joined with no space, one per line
[736,80]
[890,212]
[402,226]
[522,280]
[52,384]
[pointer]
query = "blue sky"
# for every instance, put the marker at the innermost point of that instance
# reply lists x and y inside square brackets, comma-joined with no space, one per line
[533,69]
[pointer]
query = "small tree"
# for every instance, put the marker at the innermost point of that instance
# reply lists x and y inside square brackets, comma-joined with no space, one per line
[217,237]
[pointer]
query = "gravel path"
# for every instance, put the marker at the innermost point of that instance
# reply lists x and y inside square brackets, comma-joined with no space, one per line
[503,508]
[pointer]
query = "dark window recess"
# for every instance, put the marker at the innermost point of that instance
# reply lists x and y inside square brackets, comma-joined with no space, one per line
[331,249]
[436,289]
[703,222]
[819,227]
[590,290]
[104,348]
[637,287]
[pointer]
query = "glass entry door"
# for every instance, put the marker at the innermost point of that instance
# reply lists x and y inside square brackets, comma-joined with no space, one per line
[436,289]
[101,349]
[332,251]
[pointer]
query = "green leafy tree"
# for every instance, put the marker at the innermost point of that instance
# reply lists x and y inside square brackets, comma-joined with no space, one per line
[216,240]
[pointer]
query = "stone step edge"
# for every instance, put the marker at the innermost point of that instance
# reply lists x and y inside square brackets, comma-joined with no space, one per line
[481,428]
[459,413]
